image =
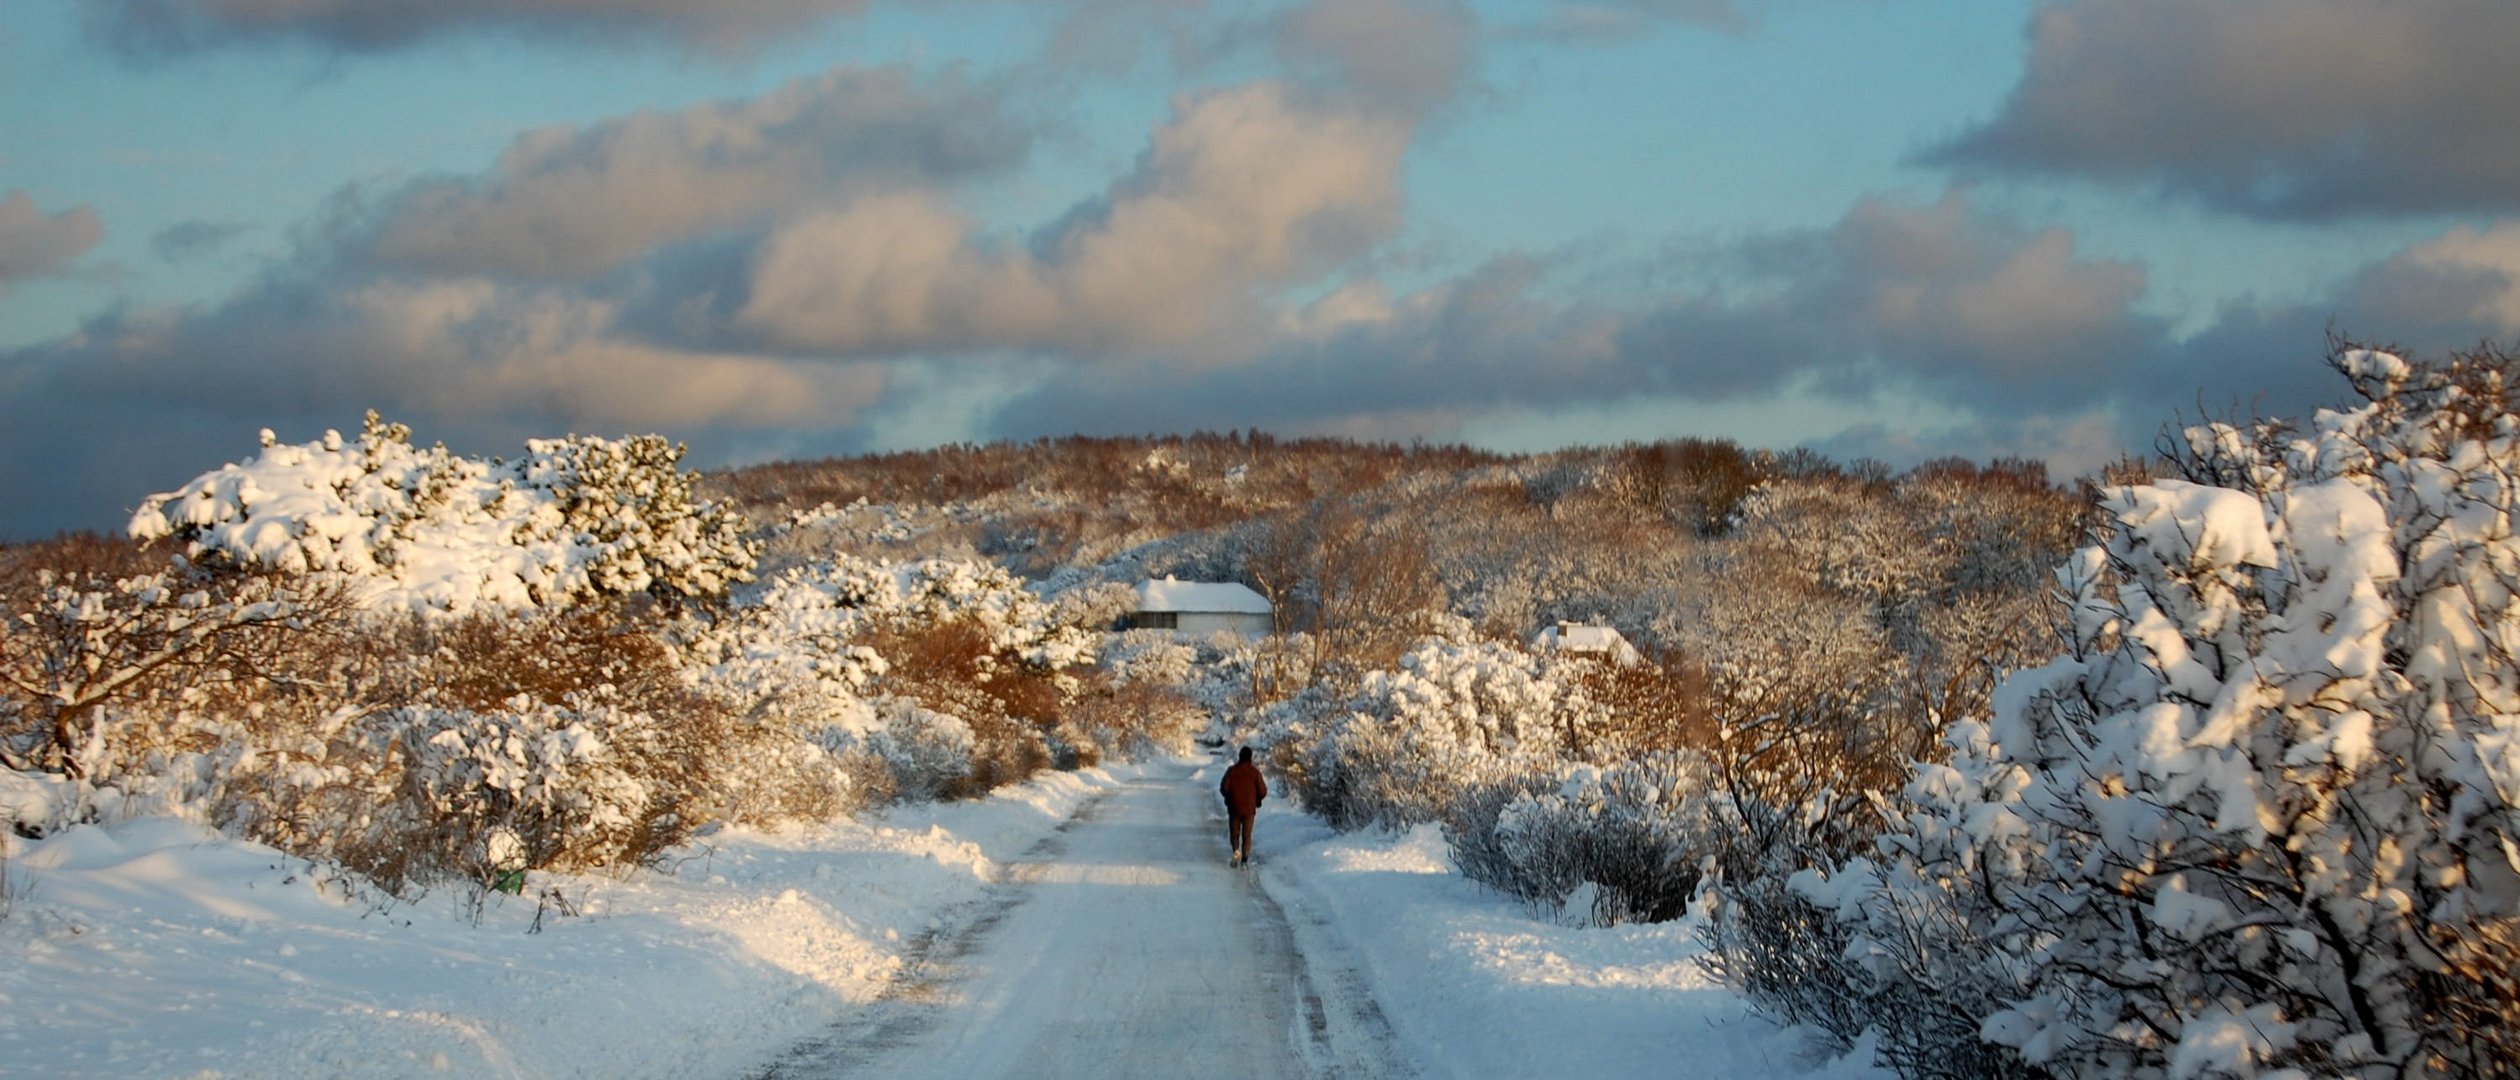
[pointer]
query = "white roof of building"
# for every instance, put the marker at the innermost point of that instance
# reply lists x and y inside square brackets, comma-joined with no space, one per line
[1580,638]
[1201,596]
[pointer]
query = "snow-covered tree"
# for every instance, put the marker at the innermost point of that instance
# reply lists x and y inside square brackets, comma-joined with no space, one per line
[84,645]
[430,530]
[2263,818]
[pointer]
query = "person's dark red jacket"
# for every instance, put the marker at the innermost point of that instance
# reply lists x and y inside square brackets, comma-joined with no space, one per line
[1243,789]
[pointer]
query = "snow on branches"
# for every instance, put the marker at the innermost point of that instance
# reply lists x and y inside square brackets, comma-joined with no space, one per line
[2263,818]
[429,530]
[81,644]
[1450,716]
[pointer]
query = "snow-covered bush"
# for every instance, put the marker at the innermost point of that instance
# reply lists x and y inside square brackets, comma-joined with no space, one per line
[565,781]
[82,648]
[1636,833]
[1019,625]
[1116,718]
[427,529]
[959,655]
[734,750]
[2264,816]
[1454,715]
[572,730]
[1099,606]
[928,752]
[1138,702]
[788,652]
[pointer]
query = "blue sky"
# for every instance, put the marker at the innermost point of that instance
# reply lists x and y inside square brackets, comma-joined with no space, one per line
[781,228]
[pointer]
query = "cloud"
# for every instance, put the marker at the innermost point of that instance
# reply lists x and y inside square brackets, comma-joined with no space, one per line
[1109,36]
[789,321]
[2290,109]
[1994,337]
[1972,304]
[186,240]
[163,27]
[34,243]
[448,347]
[1405,55]
[2465,279]
[1940,300]
[1244,190]
[1353,361]
[1622,20]
[135,403]
[566,202]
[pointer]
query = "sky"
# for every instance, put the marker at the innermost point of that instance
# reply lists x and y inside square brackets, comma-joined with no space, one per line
[776,229]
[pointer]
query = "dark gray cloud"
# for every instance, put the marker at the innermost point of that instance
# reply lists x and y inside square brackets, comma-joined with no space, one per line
[1113,36]
[187,240]
[2297,109]
[162,27]
[568,202]
[34,243]
[138,403]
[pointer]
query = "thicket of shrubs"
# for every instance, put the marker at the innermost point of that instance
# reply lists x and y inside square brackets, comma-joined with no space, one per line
[2250,811]
[430,694]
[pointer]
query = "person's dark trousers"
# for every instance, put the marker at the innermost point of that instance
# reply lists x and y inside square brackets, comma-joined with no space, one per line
[1238,834]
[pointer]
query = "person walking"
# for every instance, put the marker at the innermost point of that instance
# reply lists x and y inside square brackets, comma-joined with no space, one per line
[1244,791]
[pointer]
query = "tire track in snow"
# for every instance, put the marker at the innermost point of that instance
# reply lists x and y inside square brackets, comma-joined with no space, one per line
[1120,945]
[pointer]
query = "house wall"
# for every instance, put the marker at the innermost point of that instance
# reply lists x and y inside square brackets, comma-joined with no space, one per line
[1203,623]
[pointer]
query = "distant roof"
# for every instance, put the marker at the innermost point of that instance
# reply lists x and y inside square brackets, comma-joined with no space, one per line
[1579,638]
[1201,596]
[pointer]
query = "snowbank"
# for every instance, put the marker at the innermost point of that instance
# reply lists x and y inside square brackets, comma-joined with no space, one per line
[1476,985]
[159,948]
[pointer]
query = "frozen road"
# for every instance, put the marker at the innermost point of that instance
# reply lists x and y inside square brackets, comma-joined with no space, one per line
[1122,947]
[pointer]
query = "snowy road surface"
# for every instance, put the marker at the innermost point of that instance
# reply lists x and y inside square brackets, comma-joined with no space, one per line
[1123,946]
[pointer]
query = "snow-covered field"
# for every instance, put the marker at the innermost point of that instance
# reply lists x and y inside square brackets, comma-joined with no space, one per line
[158,948]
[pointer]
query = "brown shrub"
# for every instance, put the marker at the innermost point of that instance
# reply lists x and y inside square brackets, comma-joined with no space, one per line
[1127,720]
[952,667]
[481,661]
[1655,707]
[1003,751]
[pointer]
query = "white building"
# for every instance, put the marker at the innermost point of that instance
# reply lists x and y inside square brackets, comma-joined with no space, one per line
[1198,608]
[1580,639]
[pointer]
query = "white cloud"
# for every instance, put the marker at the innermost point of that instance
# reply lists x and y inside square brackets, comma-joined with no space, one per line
[1244,191]
[566,202]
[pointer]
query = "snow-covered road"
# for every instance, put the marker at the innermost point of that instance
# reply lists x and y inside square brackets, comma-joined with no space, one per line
[1123,946]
